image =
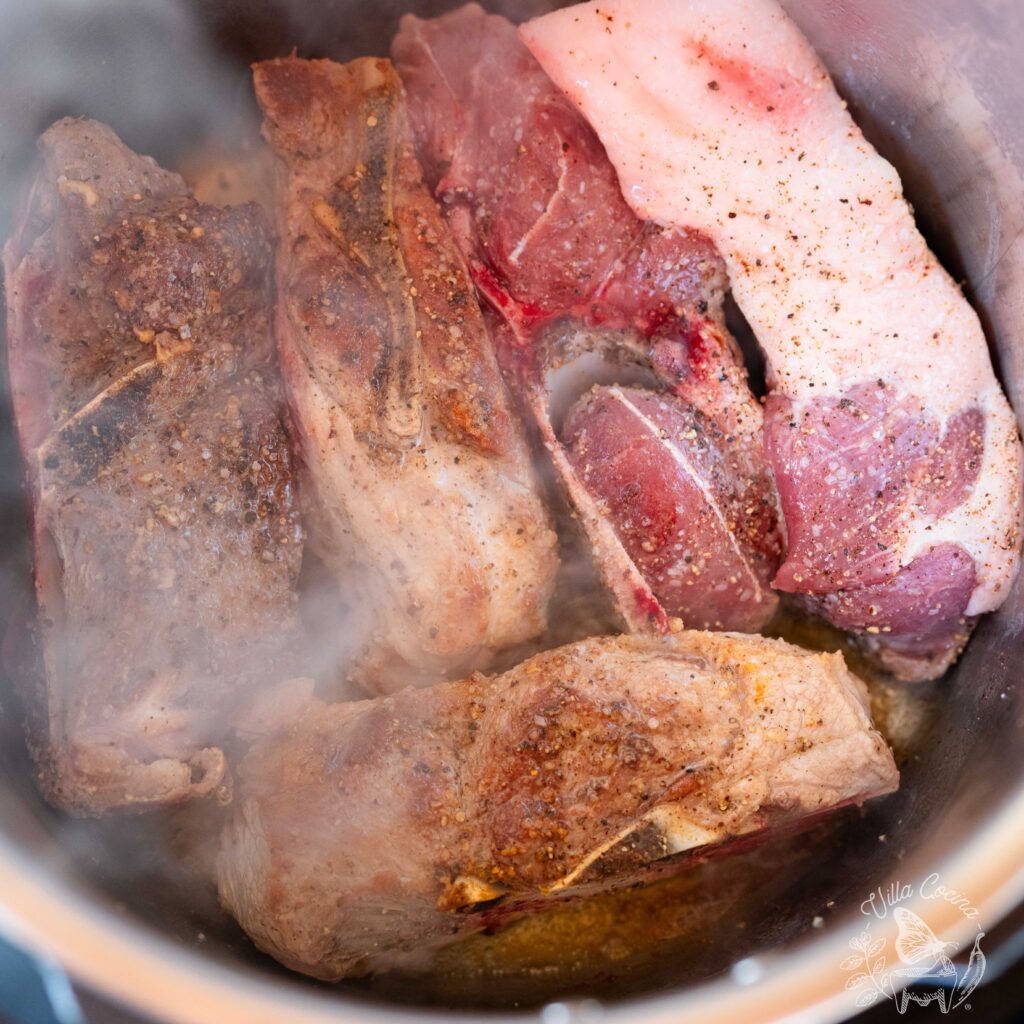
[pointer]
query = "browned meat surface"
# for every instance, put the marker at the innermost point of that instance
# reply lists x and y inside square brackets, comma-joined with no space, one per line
[167,534]
[584,293]
[424,499]
[364,833]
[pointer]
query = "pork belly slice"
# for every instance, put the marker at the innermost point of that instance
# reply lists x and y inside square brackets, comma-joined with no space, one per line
[896,454]
[585,293]
[426,504]
[365,833]
[167,535]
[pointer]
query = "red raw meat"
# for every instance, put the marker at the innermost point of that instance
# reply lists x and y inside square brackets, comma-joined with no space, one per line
[553,246]
[896,454]
[664,472]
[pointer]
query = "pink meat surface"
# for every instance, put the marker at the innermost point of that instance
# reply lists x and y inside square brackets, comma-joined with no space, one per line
[666,483]
[896,454]
[571,272]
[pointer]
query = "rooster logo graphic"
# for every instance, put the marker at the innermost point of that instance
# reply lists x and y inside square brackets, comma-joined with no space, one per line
[928,976]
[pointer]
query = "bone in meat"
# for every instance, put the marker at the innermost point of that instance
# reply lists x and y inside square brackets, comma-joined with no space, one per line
[896,454]
[366,833]
[584,292]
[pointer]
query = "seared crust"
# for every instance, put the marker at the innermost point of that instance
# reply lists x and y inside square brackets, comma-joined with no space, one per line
[577,770]
[425,503]
[168,539]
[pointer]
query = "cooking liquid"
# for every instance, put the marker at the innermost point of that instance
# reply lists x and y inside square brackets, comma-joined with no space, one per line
[691,925]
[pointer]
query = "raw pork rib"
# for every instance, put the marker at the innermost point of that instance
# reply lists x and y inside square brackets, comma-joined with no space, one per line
[896,454]
[446,810]
[585,293]
[426,503]
[166,525]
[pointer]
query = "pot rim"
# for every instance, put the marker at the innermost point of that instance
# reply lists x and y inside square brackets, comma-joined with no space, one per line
[132,963]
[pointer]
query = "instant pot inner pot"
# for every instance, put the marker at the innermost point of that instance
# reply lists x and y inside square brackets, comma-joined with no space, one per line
[927,82]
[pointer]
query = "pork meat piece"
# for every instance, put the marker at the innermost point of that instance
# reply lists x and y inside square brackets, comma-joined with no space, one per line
[653,459]
[426,502]
[896,454]
[166,526]
[586,293]
[369,832]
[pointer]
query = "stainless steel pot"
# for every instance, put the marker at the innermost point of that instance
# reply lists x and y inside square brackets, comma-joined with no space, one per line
[938,86]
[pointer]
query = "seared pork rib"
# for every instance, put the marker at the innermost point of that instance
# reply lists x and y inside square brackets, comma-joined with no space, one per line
[166,527]
[585,293]
[365,832]
[896,454]
[425,502]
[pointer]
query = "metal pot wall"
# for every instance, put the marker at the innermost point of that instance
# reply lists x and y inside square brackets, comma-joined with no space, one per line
[938,86]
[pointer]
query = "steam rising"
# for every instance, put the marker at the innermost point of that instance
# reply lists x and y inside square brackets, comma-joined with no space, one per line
[150,70]
[154,75]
